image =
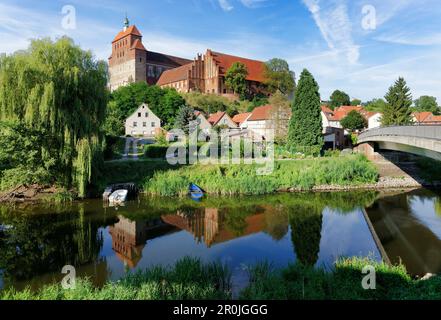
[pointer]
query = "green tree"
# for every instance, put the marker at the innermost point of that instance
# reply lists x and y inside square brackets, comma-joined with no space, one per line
[305,127]
[376,105]
[57,91]
[306,228]
[165,103]
[235,78]
[399,100]
[278,77]
[184,117]
[427,103]
[354,121]
[338,99]
[355,102]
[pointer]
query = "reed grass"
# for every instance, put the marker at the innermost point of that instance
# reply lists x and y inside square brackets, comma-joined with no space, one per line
[243,179]
[190,279]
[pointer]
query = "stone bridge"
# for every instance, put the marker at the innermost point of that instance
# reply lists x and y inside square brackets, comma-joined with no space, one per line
[422,140]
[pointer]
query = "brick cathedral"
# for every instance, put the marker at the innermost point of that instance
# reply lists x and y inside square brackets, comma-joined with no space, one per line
[132,62]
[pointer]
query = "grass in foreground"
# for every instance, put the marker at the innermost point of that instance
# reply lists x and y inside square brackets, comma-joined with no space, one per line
[243,179]
[190,279]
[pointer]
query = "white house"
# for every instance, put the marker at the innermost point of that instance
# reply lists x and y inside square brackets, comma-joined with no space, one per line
[203,123]
[373,119]
[143,122]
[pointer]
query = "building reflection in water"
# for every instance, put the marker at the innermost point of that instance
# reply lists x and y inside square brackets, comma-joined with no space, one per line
[209,226]
[130,237]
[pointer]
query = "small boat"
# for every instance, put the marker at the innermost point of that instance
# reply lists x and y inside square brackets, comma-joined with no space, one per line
[118,196]
[196,192]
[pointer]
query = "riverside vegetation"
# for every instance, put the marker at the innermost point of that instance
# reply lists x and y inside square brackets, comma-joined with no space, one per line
[190,279]
[243,179]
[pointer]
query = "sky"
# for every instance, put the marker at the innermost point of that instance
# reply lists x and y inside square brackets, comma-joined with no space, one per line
[358,46]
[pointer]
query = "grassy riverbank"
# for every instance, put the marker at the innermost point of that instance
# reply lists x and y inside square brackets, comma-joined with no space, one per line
[190,279]
[243,179]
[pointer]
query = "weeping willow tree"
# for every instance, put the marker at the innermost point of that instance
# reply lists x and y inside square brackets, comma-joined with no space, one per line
[56,92]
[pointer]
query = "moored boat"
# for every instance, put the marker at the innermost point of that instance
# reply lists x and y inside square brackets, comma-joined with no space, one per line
[196,192]
[118,196]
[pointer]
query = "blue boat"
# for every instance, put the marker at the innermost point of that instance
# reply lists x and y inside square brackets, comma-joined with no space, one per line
[196,192]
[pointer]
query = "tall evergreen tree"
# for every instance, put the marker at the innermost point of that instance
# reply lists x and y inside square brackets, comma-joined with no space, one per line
[305,128]
[397,110]
[184,117]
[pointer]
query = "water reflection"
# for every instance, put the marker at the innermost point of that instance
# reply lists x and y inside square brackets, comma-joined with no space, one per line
[315,229]
[409,228]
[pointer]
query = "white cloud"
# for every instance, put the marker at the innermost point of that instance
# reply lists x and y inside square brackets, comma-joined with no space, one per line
[225,5]
[333,21]
[411,39]
[253,3]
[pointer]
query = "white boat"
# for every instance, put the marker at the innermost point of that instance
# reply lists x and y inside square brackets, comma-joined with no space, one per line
[118,196]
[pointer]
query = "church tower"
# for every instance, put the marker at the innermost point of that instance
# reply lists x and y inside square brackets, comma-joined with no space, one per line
[128,62]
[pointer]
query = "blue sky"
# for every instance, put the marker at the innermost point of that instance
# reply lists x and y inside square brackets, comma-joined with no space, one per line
[329,37]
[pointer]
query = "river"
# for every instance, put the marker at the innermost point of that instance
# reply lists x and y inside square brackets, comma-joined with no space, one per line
[104,243]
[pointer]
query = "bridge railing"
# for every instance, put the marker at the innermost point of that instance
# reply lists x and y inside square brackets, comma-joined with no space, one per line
[416,131]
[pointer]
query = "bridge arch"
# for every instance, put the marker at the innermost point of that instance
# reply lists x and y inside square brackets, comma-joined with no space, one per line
[421,140]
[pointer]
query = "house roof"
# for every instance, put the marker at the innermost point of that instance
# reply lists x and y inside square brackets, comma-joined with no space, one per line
[216,117]
[326,109]
[241,117]
[435,119]
[166,59]
[422,116]
[137,44]
[261,113]
[340,113]
[174,75]
[133,30]
[255,68]
[369,114]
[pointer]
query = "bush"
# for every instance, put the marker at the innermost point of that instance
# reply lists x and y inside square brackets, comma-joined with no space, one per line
[155,151]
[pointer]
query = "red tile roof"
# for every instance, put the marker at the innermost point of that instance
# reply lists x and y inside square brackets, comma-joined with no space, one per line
[326,109]
[138,45]
[435,119]
[261,113]
[368,114]
[340,113]
[241,117]
[255,68]
[174,75]
[133,30]
[216,117]
[422,116]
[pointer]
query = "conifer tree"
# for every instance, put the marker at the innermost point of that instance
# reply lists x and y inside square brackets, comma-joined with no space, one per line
[305,129]
[397,110]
